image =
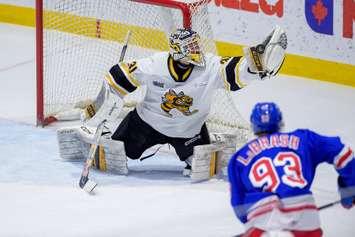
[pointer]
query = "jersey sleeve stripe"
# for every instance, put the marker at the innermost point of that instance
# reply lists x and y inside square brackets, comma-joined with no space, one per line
[121,91]
[270,208]
[238,81]
[231,72]
[122,79]
[127,70]
[283,207]
[343,158]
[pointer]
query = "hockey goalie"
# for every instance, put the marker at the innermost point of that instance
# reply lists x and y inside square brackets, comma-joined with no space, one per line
[179,88]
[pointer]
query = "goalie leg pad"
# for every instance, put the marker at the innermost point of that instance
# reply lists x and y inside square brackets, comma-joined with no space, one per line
[223,157]
[207,161]
[233,140]
[71,147]
[212,159]
[111,157]
[115,157]
[200,166]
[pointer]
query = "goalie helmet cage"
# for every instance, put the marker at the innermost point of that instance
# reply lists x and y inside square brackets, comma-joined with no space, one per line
[79,40]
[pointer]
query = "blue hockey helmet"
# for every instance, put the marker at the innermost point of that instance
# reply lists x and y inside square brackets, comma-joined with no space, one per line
[266,117]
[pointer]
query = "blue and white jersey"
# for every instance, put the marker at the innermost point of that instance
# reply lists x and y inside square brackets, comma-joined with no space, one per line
[271,177]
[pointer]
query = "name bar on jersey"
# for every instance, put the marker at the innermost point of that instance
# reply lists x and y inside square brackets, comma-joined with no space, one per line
[263,143]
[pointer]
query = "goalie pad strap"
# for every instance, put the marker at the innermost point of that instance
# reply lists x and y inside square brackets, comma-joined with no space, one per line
[255,56]
[100,160]
[111,157]
[213,164]
[89,111]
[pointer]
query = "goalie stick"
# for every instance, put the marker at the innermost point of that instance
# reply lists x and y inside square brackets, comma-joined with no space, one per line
[85,183]
[124,48]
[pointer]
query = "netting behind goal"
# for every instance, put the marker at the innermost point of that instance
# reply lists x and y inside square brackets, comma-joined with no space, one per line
[82,39]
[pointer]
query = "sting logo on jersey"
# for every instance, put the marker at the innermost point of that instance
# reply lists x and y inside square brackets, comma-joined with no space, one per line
[180,101]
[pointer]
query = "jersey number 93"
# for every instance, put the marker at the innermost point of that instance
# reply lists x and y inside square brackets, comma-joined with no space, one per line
[263,172]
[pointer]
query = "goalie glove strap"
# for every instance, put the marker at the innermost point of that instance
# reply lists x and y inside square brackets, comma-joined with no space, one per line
[255,56]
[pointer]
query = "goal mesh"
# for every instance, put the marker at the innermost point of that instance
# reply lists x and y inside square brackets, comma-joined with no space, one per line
[82,39]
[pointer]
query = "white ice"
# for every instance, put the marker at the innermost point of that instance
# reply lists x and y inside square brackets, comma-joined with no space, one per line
[39,194]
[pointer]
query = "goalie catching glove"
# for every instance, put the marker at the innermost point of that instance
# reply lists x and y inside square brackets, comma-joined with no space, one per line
[267,58]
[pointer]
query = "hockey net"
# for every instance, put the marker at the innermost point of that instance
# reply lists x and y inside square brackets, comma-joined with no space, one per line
[81,39]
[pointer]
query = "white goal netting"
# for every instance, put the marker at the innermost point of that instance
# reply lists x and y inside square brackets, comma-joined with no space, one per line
[82,39]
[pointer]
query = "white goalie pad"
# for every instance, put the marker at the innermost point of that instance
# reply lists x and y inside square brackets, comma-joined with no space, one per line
[110,156]
[237,140]
[211,160]
[267,58]
[71,146]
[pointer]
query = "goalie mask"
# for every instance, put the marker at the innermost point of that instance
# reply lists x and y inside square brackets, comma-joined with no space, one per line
[185,46]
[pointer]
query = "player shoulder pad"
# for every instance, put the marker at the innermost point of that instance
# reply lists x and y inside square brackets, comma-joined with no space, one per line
[153,64]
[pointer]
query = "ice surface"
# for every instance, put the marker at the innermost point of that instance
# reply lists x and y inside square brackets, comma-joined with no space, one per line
[39,192]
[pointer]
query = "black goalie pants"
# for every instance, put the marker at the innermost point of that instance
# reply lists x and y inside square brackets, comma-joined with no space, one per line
[138,136]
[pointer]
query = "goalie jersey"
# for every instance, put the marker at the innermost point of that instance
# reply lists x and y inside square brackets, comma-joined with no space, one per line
[178,99]
[271,178]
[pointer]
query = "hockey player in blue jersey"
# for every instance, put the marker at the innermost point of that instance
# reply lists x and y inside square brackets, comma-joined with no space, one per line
[271,176]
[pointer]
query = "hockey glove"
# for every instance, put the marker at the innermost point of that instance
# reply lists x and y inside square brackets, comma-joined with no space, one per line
[267,58]
[347,194]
